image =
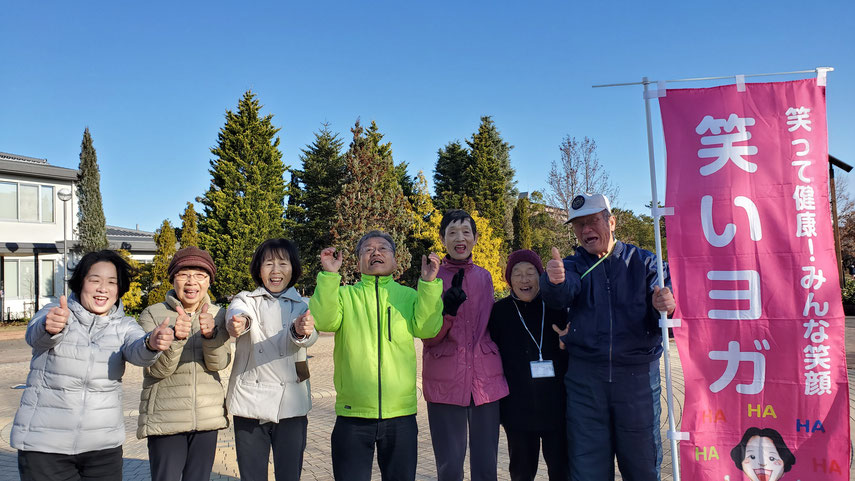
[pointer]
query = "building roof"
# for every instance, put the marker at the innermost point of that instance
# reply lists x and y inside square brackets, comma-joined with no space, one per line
[34,167]
[132,240]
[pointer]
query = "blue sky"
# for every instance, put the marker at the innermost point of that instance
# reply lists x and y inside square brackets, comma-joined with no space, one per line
[152,80]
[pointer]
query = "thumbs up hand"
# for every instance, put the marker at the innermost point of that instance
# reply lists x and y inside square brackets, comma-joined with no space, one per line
[454,296]
[236,325]
[57,317]
[161,337]
[182,324]
[555,267]
[206,323]
[305,324]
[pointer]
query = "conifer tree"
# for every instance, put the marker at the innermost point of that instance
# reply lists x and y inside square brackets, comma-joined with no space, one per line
[448,176]
[132,301]
[488,177]
[312,199]
[189,227]
[244,204]
[164,240]
[522,225]
[371,198]
[91,225]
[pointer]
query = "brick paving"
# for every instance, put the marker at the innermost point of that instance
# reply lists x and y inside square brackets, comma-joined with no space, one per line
[316,465]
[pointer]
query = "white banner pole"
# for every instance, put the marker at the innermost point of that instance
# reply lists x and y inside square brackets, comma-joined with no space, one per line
[663,319]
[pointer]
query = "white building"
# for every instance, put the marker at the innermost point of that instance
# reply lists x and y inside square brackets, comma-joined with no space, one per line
[31,234]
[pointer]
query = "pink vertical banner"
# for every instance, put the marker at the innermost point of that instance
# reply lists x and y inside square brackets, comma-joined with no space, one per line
[751,252]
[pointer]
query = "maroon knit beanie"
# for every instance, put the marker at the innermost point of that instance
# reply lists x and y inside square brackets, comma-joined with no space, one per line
[522,255]
[191,257]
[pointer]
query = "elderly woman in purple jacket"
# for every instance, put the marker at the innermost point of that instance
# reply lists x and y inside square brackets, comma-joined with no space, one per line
[462,371]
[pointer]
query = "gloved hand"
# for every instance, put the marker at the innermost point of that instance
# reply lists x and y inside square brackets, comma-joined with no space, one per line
[454,296]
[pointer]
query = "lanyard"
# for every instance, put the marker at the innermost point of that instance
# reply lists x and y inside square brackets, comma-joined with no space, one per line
[542,317]
[596,264]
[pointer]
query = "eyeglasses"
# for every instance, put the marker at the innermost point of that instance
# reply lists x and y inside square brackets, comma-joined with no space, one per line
[590,222]
[371,250]
[197,276]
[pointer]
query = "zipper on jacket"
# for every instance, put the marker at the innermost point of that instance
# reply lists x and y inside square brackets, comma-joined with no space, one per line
[379,352]
[389,322]
[611,321]
[193,350]
[85,389]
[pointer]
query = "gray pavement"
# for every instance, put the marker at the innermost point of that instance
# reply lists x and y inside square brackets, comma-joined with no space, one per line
[14,365]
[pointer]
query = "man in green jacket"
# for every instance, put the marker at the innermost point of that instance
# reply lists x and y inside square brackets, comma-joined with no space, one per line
[375,321]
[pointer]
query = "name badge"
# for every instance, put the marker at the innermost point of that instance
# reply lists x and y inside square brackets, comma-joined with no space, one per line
[542,369]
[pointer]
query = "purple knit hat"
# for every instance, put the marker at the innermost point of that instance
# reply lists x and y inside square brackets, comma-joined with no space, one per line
[522,255]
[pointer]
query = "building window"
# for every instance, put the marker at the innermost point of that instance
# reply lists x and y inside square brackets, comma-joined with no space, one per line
[27,202]
[19,278]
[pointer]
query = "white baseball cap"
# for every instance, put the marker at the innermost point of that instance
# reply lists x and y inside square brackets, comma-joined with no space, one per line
[587,204]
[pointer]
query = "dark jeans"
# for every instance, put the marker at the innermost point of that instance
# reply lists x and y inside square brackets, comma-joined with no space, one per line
[186,456]
[353,441]
[613,416]
[524,451]
[254,439]
[101,465]
[449,425]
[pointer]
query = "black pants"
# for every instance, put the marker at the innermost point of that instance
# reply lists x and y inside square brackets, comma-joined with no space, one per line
[101,465]
[449,425]
[613,412]
[186,456]
[254,439]
[353,441]
[524,451]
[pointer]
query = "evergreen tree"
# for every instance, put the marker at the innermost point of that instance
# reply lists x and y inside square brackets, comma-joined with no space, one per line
[522,225]
[244,205]
[91,225]
[132,301]
[448,176]
[313,192]
[164,240]
[371,198]
[486,177]
[189,227]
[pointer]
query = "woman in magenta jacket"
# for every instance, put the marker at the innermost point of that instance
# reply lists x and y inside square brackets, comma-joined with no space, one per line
[462,370]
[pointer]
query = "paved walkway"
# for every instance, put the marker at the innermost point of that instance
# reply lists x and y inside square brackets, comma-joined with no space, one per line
[317,464]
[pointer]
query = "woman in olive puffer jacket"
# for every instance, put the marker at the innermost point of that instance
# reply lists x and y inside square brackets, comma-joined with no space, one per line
[182,404]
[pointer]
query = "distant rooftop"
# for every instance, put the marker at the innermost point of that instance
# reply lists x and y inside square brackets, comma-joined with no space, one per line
[126,232]
[32,166]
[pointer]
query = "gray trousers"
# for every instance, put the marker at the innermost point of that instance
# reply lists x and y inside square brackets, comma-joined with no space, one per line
[449,425]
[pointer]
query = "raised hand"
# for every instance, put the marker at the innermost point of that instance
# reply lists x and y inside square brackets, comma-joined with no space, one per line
[57,317]
[663,300]
[561,333]
[430,267]
[236,325]
[182,324]
[330,260]
[206,323]
[555,267]
[161,337]
[304,324]
[454,296]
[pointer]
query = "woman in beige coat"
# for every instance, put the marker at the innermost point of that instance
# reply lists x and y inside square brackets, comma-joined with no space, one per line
[182,404]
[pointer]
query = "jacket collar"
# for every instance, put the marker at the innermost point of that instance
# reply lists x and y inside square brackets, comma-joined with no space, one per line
[290,294]
[450,263]
[371,280]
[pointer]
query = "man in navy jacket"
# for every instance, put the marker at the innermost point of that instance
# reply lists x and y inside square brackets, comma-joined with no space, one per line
[614,342]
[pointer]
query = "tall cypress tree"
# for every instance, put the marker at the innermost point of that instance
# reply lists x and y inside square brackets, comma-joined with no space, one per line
[244,204]
[91,225]
[448,178]
[189,227]
[164,239]
[371,198]
[522,225]
[312,200]
[486,178]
